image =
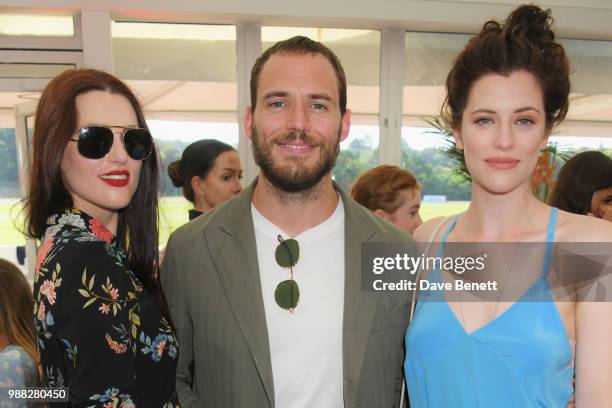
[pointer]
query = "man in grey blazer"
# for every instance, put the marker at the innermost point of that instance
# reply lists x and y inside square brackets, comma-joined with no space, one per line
[255,330]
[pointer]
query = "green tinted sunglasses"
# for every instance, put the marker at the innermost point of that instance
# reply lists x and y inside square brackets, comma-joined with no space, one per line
[287,293]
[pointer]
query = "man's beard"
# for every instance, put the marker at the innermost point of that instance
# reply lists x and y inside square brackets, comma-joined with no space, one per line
[297,178]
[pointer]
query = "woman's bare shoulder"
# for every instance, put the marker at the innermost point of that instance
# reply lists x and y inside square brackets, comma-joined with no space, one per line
[582,228]
[425,231]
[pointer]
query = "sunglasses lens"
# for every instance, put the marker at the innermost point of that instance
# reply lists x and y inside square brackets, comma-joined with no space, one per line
[138,143]
[287,294]
[95,142]
[287,253]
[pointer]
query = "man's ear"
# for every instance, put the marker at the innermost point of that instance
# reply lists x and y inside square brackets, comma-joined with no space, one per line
[248,121]
[345,125]
[458,138]
[382,214]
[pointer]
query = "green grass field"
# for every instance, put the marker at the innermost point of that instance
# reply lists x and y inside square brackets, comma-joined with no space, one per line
[173,213]
[9,214]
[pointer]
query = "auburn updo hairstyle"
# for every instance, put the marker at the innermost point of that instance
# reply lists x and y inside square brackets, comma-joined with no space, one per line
[380,188]
[525,41]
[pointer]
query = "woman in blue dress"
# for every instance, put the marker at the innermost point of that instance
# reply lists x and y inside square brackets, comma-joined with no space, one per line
[505,93]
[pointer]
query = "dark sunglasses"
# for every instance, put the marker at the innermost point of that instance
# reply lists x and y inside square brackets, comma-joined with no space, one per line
[287,293]
[94,142]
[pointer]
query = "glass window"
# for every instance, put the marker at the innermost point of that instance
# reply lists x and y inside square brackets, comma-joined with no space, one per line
[36,25]
[11,211]
[9,177]
[10,194]
[590,113]
[179,52]
[359,52]
[32,70]
[429,57]
[185,75]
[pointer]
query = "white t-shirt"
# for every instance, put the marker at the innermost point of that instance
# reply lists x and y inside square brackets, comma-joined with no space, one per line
[306,345]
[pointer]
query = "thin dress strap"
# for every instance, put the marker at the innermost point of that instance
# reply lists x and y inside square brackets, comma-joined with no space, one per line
[450,227]
[550,240]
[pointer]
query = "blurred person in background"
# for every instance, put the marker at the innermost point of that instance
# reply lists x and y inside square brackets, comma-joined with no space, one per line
[18,355]
[100,316]
[392,194]
[584,186]
[209,173]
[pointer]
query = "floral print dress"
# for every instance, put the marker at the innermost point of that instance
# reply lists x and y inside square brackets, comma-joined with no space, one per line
[99,333]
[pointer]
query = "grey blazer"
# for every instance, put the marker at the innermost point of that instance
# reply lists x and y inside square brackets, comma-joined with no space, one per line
[210,276]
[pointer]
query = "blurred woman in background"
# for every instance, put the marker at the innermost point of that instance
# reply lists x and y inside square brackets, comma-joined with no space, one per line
[209,173]
[392,194]
[18,355]
[584,186]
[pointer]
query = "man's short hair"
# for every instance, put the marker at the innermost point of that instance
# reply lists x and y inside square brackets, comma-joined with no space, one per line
[299,45]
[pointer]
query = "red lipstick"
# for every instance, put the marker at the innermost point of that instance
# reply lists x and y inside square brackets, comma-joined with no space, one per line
[118,178]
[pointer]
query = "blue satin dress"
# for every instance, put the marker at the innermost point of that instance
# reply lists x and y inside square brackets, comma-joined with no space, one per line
[523,358]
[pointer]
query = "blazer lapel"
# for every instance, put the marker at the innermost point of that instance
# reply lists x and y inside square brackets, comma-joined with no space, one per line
[359,305]
[235,255]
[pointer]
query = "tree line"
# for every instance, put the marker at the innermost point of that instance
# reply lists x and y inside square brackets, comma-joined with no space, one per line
[431,166]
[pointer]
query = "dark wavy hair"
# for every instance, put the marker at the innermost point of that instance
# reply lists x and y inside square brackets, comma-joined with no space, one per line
[525,41]
[579,178]
[55,123]
[197,159]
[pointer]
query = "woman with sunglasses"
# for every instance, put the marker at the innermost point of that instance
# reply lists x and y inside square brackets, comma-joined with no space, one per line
[521,346]
[101,318]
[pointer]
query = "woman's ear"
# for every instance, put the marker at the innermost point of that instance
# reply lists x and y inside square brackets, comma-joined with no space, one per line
[382,214]
[457,136]
[196,185]
[544,143]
